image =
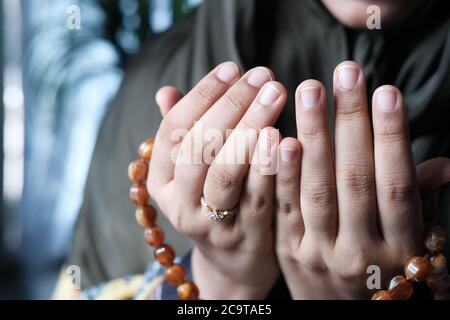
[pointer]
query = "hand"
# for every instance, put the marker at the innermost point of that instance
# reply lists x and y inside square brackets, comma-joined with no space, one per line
[234,258]
[341,210]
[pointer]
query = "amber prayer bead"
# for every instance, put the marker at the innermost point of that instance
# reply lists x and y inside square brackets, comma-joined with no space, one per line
[417,269]
[139,194]
[137,171]
[435,240]
[154,235]
[146,149]
[165,255]
[381,295]
[146,216]
[176,274]
[400,288]
[187,291]
[438,263]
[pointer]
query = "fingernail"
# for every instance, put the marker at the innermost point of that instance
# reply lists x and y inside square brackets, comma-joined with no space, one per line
[288,155]
[269,95]
[228,72]
[258,77]
[386,100]
[310,97]
[347,76]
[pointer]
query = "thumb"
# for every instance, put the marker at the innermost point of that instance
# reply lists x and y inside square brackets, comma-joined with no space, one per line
[433,174]
[166,98]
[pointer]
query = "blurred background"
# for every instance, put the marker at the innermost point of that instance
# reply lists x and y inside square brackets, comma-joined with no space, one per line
[56,83]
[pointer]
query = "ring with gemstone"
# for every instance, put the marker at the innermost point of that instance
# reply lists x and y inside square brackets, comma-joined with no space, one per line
[217,214]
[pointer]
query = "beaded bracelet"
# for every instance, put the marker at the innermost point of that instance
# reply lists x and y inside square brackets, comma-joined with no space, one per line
[431,268]
[146,216]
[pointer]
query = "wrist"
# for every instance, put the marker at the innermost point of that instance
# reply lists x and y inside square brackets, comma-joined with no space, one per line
[216,284]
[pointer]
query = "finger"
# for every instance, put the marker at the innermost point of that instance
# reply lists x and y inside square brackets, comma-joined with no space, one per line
[223,183]
[396,185]
[317,184]
[258,192]
[254,217]
[433,174]
[195,154]
[166,98]
[289,221]
[355,172]
[182,117]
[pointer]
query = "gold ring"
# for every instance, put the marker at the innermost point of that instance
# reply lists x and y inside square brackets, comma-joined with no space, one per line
[217,214]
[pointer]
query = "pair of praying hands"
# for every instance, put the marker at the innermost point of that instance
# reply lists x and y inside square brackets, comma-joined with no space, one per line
[323,216]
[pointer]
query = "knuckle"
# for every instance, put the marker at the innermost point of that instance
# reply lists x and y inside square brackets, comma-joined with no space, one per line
[350,109]
[354,268]
[358,179]
[319,193]
[397,190]
[287,206]
[236,99]
[203,93]
[312,261]
[352,264]
[286,180]
[221,177]
[249,124]
[284,253]
[312,134]
[255,201]
[389,134]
